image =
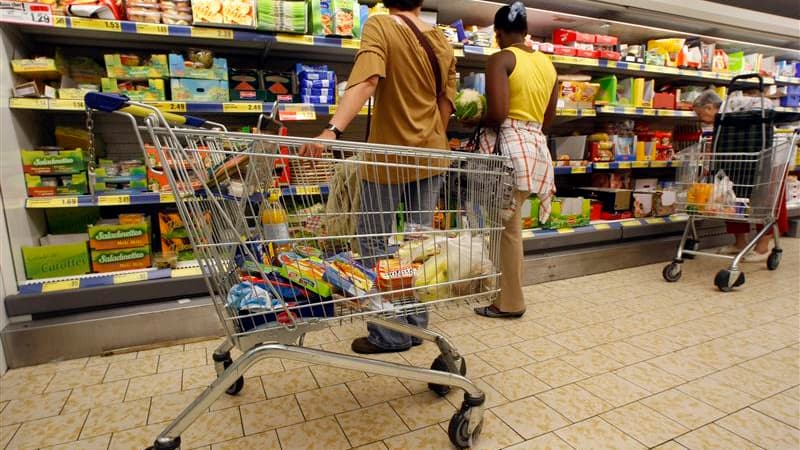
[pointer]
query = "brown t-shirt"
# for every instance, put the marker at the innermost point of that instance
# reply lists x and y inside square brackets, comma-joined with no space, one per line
[406,112]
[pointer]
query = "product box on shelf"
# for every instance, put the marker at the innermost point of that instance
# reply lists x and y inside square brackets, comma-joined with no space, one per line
[174,237]
[121,259]
[613,200]
[643,204]
[34,89]
[55,161]
[134,181]
[335,18]
[562,36]
[180,68]
[52,261]
[52,185]
[108,236]
[665,202]
[570,148]
[792,97]
[287,16]
[279,83]
[37,68]
[613,180]
[189,90]
[234,13]
[530,212]
[568,212]
[664,100]
[76,93]
[130,67]
[149,91]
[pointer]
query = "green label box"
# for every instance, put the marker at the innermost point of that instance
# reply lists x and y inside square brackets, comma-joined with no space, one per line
[38,162]
[55,260]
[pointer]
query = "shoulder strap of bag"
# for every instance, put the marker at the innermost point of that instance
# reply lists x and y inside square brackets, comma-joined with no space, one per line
[426,45]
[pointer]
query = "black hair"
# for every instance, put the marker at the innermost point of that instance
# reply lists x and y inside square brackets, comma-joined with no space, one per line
[502,21]
[403,5]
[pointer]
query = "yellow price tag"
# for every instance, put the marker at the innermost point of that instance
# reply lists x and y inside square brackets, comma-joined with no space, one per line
[654,220]
[648,112]
[60,22]
[176,107]
[309,190]
[611,64]
[680,218]
[152,28]
[631,223]
[567,112]
[212,33]
[351,43]
[67,105]
[52,202]
[186,272]
[578,170]
[123,278]
[166,197]
[54,286]
[602,226]
[248,107]
[299,39]
[601,165]
[629,110]
[676,163]
[640,164]
[96,24]
[527,234]
[658,164]
[458,52]
[28,103]
[113,200]
[624,165]
[565,230]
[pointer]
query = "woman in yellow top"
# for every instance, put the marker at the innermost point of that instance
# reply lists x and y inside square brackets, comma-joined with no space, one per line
[521,96]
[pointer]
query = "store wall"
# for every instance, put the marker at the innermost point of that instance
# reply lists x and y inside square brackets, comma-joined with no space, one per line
[6,278]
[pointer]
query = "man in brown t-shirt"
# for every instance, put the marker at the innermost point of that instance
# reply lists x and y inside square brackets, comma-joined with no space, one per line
[393,66]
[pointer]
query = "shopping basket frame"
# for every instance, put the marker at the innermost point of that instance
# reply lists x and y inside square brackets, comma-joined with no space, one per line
[448,369]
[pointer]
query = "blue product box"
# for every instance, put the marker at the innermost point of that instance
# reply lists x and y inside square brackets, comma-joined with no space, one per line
[178,69]
[323,92]
[190,90]
[317,84]
[318,99]
[318,76]
[300,68]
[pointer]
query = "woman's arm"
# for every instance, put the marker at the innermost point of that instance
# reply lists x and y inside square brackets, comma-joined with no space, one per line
[500,65]
[550,113]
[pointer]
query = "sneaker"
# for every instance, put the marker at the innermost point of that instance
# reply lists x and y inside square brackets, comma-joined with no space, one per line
[754,257]
[728,250]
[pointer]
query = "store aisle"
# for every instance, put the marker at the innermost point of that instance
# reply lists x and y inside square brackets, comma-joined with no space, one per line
[616,360]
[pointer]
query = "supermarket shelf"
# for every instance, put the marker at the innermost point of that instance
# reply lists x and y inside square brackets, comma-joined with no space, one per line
[788,109]
[633,111]
[787,80]
[570,112]
[571,170]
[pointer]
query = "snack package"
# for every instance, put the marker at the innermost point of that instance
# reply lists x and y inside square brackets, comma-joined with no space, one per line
[239,13]
[346,274]
[305,272]
[335,18]
[392,275]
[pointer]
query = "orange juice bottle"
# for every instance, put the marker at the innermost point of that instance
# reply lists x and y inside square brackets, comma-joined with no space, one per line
[275,226]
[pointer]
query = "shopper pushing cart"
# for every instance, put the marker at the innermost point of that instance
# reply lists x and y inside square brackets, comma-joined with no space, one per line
[736,174]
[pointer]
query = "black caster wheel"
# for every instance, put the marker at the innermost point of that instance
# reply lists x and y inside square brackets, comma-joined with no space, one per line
[166,444]
[774,259]
[440,365]
[672,272]
[238,385]
[458,430]
[724,280]
[691,244]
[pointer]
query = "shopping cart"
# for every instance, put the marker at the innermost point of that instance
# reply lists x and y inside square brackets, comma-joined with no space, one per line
[735,174]
[270,292]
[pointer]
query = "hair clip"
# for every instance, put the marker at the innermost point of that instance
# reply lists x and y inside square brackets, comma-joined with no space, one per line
[516,9]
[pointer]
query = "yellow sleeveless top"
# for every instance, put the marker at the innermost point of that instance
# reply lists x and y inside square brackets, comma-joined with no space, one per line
[530,85]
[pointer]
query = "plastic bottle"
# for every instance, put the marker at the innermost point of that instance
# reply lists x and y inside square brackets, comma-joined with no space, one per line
[274,223]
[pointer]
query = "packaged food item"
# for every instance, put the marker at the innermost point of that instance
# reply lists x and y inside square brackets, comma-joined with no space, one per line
[274,226]
[669,48]
[144,15]
[239,13]
[136,90]
[392,275]
[107,236]
[52,160]
[199,65]
[191,90]
[335,17]
[176,18]
[48,186]
[305,272]
[346,274]
[49,261]
[120,259]
[569,212]
[283,16]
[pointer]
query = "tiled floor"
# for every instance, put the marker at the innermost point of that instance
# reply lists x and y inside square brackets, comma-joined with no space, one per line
[618,360]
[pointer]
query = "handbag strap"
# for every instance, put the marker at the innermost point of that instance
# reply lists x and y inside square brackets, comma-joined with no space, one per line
[426,45]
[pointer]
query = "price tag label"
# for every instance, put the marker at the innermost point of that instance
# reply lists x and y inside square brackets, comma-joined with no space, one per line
[351,43]
[611,64]
[83,23]
[166,197]
[640,164]
[602,226]
[234,107]
[113,200]
[654,220]
[60,22]
[53,202]
[630,223]
[565,230]
[527,234]
[28,103]
[55,286]
[675,164]
[176,107]
[658,164]
[187,272]
[678,218]
[458,52]
[629,110]
[299,39]
[648,112]
[212,33]
[601,165]
[275,191]
[67,105]
[577,170]
[624,165]
[123,278]
[307,190]
[567,112]
[290,112]
[152,28]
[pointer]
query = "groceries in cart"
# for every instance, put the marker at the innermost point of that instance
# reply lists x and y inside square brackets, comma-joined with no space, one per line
[715,198]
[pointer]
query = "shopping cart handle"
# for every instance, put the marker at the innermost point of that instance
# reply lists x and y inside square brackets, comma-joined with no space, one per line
[746,76]
[106,102]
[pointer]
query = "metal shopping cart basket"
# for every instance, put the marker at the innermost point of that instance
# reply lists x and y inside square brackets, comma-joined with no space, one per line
[425,236]
[734,175]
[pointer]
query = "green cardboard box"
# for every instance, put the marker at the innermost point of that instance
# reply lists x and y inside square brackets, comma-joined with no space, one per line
[39,162]
[157,67]
[55,260]
[569,213]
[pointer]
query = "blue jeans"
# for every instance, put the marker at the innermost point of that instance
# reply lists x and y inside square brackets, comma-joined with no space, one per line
[381,200]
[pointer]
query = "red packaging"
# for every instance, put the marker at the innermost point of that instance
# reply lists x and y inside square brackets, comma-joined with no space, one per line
[593,54]
[608,54]
[393,276]
[602,39]
[564,36]
[564,51]
[596,211]
[664,100]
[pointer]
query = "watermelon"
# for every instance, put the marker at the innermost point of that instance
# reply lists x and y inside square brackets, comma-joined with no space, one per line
[470,105]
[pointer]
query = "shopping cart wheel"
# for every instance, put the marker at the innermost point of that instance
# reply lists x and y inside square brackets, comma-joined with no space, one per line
[692,245]
[238,385]
[458,430]
[672,272]
[166,444]
[441,366]
[774,259]
[725,281]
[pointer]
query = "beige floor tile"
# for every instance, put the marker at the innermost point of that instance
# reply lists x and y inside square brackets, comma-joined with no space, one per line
[121,370]
[682,408]
[268,366]
[549,441]
[477,367]
[261,441]
[516,384]
[493,397]
[495,434]
[136,438]
[574,402]
[328,376]
[775,368]
[33,407]
[216,426]
[530,417]
[591,362]
[555,372]
[181,360]
[291,364]
[108,359]
[320,337]
[168,406]
[721,396]
[650,377]
[671,445]
[541,349]
[598,434]
[48,431]
[378,389]
[682,365]
[623,352]
[711,437]
[162,350]
[151,385]
[430,438]
[6,433]
[196,377]
[614,389]
[88,397]
[13,386]
[68,379]
[326,401]
[321,434]
[558,323]
[528,330]
[654,343]
[496,337]
[371,424]
[421,410]
[96,443]
[644,424]
[113,418]
[252,391]
[289,382]
[467,344]
[749,382]
[782,407]
[373,446]
[269,414]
